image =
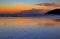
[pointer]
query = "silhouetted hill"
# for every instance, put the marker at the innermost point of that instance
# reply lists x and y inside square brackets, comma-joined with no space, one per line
[56,12]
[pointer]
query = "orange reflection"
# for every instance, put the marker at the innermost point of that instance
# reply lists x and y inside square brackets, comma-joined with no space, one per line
[29,21]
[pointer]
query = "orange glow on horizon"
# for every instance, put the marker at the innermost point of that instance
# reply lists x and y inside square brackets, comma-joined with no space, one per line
[14,9]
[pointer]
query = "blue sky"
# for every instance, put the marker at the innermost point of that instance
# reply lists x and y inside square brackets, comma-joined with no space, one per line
[28,1]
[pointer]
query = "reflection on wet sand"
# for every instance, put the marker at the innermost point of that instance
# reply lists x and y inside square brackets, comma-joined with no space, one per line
[29,21]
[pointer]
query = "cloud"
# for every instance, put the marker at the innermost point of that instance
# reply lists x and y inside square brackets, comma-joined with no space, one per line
[49,4]
[46,7]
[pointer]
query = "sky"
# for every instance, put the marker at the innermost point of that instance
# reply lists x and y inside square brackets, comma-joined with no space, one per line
[19,5]
[28,1]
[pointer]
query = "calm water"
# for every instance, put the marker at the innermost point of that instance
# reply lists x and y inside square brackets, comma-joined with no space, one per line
[29,28]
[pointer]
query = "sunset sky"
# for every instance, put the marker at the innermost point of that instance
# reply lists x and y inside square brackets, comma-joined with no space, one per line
[19,5]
